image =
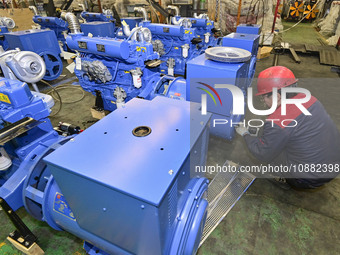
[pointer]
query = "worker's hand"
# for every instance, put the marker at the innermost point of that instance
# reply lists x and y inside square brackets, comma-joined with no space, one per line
[242,130]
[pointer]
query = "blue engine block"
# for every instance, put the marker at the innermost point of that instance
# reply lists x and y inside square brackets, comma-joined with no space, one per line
[58,25]
[175,44]
[205,29]
[116,69]
[42,42]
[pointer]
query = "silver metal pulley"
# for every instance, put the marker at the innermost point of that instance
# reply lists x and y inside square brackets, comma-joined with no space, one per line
[228,54]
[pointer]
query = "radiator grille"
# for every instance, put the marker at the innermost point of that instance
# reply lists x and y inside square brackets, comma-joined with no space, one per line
[223,193]
[172,204]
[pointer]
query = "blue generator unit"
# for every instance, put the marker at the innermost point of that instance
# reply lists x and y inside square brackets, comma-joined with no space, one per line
[42,42]
[26,135]
[204,78]
[148,205]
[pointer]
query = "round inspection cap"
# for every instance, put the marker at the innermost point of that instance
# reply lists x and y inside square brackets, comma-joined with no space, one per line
[228,54]
[141,131]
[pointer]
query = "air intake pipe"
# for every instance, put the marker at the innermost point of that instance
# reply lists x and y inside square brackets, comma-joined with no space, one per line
[143,11]
[34,10]
[82,6]
[175,8]
[73,22]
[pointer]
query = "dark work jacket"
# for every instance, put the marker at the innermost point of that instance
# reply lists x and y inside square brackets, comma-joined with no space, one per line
[314,140]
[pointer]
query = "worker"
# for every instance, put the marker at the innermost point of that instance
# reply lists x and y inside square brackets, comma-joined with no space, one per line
[309,147]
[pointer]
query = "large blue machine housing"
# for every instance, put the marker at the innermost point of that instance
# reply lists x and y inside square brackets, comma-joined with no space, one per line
[148,205]
[249,42]
[98,24]
[42,42]
[253,29]
[58,25]
[99,28]
[17,103]
[203,74]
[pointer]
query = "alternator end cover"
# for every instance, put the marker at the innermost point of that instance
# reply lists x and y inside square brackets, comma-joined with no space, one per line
[227,54]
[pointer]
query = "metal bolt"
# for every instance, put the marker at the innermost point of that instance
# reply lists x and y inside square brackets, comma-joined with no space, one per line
[183,173]
[104,209]
[142,206]
[178,218]
[11,234]
[171,172]
[72,139]
[10,211]
[27,243]
[189,190]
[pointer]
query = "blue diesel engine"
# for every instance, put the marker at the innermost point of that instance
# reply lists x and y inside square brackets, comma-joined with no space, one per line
[58,25]
[117,70]
[98,24]
[176,44]
[204,27]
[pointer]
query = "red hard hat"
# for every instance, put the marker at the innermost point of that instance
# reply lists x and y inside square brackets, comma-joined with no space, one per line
[274,77]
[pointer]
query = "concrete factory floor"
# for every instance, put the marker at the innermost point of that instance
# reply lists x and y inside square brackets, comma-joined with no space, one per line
[267,219]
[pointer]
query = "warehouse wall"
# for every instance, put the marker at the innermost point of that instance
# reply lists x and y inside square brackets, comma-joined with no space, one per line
[121,4]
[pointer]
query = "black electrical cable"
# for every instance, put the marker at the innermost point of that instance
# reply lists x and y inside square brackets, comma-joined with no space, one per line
[53,89]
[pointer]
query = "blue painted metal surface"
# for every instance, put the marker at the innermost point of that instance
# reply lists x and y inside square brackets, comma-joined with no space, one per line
[49,50]
[202,70]
[99,28]
[249,29]
[93,16]
[58,25]
[158,204]
[249,42]
[16,103]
